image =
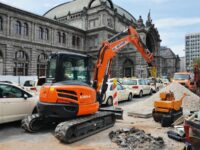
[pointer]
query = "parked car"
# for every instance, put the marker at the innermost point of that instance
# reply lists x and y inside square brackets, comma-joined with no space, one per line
[122,93]
[165,82]
[186,79]
[15,103]
[34,86]
[141,87]
[156,84]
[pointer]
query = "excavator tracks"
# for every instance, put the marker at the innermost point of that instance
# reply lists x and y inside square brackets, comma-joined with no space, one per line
[77,129]
[32,123]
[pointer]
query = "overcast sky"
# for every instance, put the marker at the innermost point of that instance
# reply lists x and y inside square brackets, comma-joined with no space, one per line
[173,18]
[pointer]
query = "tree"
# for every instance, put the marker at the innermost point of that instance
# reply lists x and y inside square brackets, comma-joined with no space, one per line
[196,61]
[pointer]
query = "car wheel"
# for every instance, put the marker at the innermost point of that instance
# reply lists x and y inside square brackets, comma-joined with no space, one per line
[157,89]
[140,94]
[110,101]
[130,97]
[151,92]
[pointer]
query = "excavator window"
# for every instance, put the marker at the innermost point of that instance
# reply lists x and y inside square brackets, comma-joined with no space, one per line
[64,67]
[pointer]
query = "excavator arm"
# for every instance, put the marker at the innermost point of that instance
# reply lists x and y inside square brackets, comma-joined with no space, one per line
[109,50]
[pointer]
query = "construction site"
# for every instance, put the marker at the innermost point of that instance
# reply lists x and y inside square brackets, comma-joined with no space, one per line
[136,131]
[99,82]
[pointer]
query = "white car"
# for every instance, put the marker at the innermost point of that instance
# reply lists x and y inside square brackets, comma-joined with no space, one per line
[34,86]
[122,93]
[15,103]
[165,82]
[140,87]
[156,84]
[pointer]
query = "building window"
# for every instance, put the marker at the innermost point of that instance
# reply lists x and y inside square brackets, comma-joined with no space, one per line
[74,40]
[41,33]
[64,38]
[59,37]
[93,23]
[25,29]
[46,34]
[21,64]
[42,65]
[78,41]
[1,23]
[18,27]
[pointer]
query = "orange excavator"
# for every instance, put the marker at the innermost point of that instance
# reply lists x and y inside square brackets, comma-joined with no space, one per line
[67,97]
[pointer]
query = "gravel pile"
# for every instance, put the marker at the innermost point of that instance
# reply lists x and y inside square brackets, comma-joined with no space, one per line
[190,103]
[135,139]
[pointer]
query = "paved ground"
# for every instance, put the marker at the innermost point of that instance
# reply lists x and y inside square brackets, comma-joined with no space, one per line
[12,137]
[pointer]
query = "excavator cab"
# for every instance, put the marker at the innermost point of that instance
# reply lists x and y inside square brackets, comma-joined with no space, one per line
[68,67]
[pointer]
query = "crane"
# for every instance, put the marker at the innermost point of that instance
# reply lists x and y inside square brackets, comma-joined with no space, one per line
[67,97]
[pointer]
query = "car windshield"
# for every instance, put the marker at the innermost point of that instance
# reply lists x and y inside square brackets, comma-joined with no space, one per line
[129,82]
[181,76]
[29,83]
[165,80]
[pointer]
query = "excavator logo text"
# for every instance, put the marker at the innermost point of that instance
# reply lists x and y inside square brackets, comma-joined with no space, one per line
[85,96]
[120,45]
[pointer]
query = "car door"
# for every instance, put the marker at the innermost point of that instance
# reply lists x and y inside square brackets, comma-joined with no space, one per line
[120,92]
[14,105]
[142,84]
[147,87]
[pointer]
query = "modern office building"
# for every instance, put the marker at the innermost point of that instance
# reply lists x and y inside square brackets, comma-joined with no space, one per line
[192,49]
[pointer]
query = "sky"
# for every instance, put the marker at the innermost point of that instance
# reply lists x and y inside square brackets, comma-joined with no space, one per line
[173,18]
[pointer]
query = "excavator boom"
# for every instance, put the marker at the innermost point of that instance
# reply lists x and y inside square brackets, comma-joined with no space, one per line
[109,50]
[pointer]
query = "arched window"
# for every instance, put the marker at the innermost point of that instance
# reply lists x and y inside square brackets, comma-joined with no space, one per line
[18,27]
[42,65]
[25,29]
[64,38]
[128,68]
[1,23]
[59,37]
[41,33]
[46,34]
[21,64]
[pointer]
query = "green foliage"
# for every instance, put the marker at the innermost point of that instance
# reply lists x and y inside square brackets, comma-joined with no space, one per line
[196,61]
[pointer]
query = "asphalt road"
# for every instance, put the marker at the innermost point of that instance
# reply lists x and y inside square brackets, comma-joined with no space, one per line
[12,137]
[10,131]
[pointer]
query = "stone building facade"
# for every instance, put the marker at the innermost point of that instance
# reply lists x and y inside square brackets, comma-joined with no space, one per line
[168,63]
[79,26]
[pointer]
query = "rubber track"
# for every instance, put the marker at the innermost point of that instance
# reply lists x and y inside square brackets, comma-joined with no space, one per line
[63,128]
[27,122]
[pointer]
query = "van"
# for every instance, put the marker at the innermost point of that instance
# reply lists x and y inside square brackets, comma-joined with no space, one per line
[186,79]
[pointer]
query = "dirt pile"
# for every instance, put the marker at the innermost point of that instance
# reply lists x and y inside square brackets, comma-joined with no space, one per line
[135,139]
[190,103]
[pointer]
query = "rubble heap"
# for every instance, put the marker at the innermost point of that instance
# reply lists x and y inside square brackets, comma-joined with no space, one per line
[135,139]
[190,102]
